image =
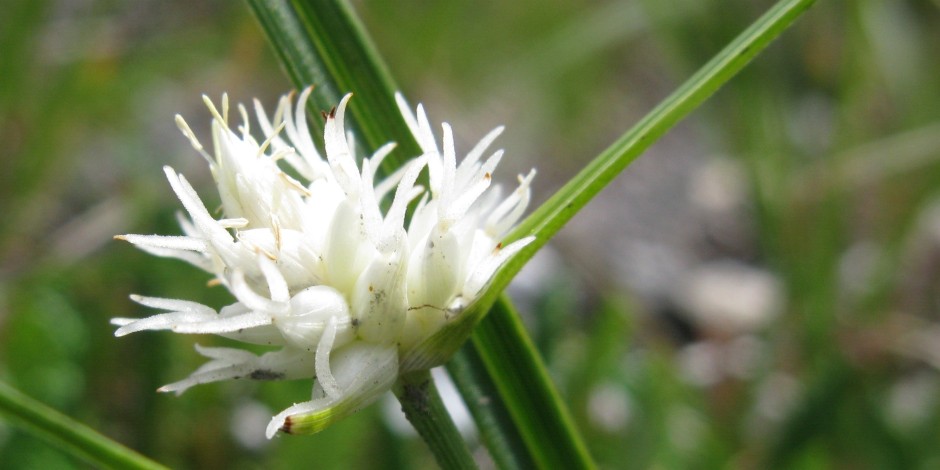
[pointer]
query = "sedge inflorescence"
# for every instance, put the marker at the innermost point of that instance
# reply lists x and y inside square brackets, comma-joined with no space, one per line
[339,288]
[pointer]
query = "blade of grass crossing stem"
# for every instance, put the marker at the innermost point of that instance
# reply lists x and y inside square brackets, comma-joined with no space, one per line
[489,412]
[353,62]
[504,348]
[326,37]
[551,216]
[68,434]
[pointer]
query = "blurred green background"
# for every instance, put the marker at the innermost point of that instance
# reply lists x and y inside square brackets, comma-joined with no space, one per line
[760,290]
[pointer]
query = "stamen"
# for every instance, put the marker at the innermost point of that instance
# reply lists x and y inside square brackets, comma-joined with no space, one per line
[188,132]
[215,112]
[267,142]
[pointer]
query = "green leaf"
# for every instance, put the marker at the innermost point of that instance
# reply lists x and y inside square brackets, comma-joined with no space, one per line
[323,44]
[548,430]
[68,434]
[551,216]
[502,438]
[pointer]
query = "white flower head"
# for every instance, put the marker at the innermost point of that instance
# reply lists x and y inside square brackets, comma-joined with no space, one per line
[339,288]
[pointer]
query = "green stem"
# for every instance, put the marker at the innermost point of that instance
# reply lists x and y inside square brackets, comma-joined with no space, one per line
[68,434]
[530,398]
[425,410]
[480,393]
[551,216]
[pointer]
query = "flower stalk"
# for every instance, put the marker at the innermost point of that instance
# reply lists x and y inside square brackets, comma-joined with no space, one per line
[424,408]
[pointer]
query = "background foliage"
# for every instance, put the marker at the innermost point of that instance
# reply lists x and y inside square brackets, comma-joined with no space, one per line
[761,287]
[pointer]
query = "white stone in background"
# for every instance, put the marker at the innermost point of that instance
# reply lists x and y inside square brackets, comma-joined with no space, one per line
[777,395]
[247,424]
[610,407]
[730,297]
[706,363]
[719,186]
[743,356]
[700,363]
[911,399]
[857,267]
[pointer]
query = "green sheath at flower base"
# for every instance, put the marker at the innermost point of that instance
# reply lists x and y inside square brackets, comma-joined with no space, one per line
[340,289]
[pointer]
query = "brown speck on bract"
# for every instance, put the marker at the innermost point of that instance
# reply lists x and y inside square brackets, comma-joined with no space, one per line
[324,114]
[333,112]
[487,175]
[371,288]
[288,424]
[499,246]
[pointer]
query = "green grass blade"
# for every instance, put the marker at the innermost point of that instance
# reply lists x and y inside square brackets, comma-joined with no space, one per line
[489,411]
[542,418]
[549,218]
[299,58]
[322,43]
[68,434]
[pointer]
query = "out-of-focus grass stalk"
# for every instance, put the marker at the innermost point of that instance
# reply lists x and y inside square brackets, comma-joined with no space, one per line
[68,434]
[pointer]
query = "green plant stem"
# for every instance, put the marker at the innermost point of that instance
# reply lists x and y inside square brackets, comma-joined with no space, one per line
[551,216]
[480,393]
[425,410]
[68,434]
[298,57]
[503,347]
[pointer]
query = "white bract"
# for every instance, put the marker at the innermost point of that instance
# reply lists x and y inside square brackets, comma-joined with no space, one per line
[339,288]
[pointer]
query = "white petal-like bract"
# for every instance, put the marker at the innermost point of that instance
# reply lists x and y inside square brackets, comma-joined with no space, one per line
[339,288]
